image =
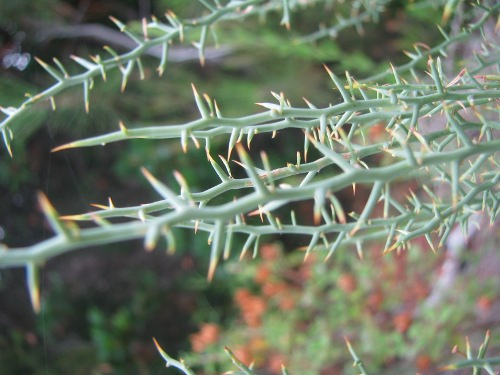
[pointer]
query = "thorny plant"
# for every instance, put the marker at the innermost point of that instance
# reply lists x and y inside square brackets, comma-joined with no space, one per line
[477,363]
[402,100]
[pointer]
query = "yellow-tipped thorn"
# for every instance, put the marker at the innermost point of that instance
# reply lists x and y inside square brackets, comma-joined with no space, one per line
[360,253]
[148,175]
[45,204]
[392,248]
[179,178]
[211,270]
[145,29]
[35,301]
[99,220]
[72,217]
[160,350]
[195,141]
[355,229]
[53,103]
[64,147]
[317,217]
[123,128]
[100,206]
[347,342]
[32,279]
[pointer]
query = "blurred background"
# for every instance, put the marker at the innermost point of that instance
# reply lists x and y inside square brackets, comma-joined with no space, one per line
[102,306]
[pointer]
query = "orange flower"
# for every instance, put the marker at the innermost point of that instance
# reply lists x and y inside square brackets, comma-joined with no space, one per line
[402,321]
[287,302]
[375,300]
[483,303]
[208,334]
[377,131]
[262,274]
[259,348]
[244,354]
[241,295]
[252,307]
[347,282]
[275,361]
[305,272]
[271,289]
[270,251]
[252,314]
[419,290]
[423,363]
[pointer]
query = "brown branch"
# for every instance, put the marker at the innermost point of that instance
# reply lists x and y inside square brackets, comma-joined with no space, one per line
[112,37]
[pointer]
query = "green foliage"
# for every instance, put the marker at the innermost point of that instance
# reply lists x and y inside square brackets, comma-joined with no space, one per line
[378,303]
[426,120]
